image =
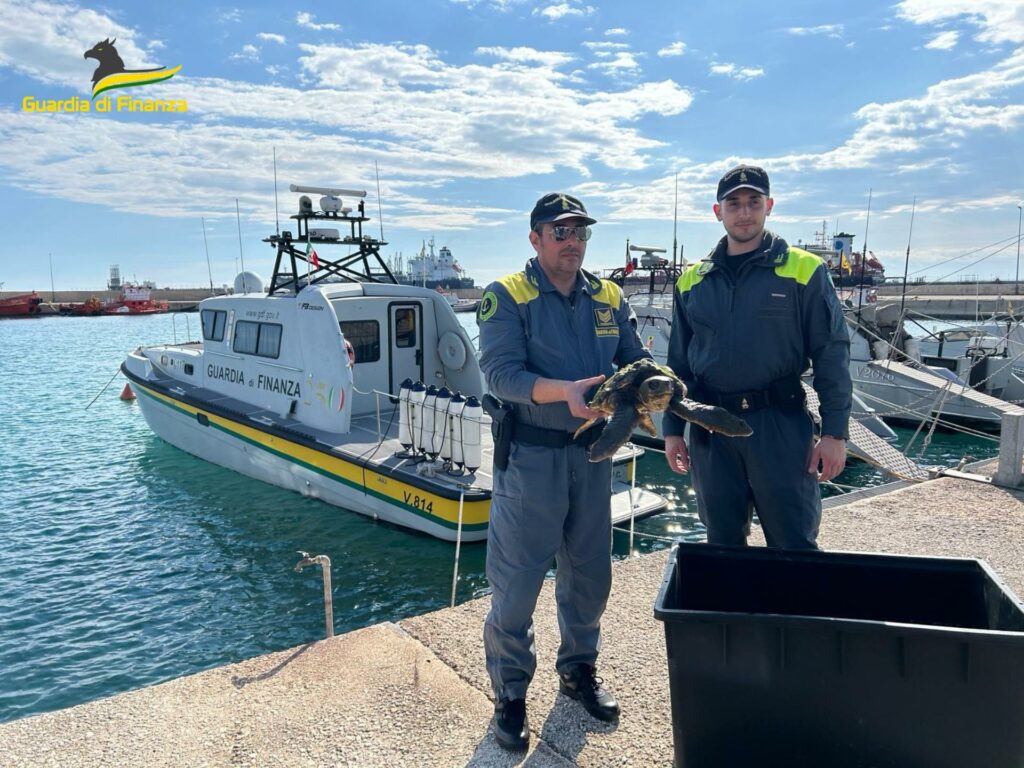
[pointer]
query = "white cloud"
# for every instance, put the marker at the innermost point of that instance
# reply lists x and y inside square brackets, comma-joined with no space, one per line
[831,30]
[944,115]
[248,53]
[1000,21]
[425,120]
[909,136]
[46,41]
[272,37]
[231,15]
[616,31]
[555,12]
[605,45]
[943,41]
[525,55]
[736,72]
[623,62]
[304,19]
[156,45]
[678,48]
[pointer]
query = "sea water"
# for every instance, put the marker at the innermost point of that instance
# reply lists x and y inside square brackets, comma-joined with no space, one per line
[125,561]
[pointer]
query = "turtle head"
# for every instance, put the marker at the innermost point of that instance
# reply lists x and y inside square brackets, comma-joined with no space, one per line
[655,392]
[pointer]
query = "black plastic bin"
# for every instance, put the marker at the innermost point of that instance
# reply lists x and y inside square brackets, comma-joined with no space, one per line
[786,658]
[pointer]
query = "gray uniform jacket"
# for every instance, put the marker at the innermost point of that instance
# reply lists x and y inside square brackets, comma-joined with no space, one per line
[778,315]
[528,330]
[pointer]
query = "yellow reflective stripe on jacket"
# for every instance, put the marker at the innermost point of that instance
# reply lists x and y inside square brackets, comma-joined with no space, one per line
[799,266]
[693,275]
[519,287]
[610,294]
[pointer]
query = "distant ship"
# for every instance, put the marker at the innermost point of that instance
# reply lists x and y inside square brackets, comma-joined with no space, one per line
[847,267]
[429,270]
[21,305]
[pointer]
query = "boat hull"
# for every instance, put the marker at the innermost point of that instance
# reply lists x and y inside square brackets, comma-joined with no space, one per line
[26,305]
[296,467]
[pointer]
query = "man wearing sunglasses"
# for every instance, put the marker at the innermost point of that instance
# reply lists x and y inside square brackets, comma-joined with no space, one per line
[747,321]
[549,335]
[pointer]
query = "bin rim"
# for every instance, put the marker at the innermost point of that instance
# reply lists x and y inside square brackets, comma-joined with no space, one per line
[673,615]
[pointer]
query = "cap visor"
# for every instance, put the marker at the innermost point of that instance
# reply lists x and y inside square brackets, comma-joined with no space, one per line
[568,215]
[725,194]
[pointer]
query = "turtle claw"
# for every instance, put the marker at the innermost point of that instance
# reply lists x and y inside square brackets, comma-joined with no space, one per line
[586,425]
[711,417]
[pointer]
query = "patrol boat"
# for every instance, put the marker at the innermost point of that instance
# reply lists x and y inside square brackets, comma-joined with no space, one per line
[399,436]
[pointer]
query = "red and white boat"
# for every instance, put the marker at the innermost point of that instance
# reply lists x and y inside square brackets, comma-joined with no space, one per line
[22,305]
[135,300]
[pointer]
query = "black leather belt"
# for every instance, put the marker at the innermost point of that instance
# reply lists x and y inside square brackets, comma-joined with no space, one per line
[553,438]
[736,401]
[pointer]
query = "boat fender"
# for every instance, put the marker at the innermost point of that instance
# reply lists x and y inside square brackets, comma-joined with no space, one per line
[455,428]
[417,395]
[442,446]
[425,436]
[472,418]
[452,350]
[404,420]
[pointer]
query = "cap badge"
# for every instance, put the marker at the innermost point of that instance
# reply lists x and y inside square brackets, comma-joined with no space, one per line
[743,176]
[744,405]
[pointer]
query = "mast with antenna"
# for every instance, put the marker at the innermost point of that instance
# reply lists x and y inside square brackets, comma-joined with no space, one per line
[675,225]
[238,220]
[207,247]
[277,218]
[906,262]
[380,214]
[864,256]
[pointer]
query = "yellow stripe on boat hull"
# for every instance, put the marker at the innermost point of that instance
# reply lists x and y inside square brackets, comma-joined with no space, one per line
[438,509]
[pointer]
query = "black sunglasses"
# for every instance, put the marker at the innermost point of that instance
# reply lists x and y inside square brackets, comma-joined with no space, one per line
[562,233]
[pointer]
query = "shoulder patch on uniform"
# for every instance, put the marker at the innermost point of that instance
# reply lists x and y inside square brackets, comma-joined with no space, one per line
[799,265]
[488,306]
[520,287]
[610,293]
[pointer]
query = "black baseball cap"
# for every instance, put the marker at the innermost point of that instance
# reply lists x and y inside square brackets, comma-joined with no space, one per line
[743,177]
[556,206]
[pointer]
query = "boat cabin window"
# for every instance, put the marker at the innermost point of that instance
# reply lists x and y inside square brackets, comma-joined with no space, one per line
[261,339]
[405,327]
[364,336]
[214,321]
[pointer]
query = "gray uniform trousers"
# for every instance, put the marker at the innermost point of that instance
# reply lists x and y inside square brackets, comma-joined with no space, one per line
[766,471]
[550,504]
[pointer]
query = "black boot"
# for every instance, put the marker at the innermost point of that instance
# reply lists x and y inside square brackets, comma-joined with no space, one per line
[582,683]
[510,726]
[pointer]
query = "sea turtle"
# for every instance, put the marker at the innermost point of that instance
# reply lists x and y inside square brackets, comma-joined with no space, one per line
[644,387]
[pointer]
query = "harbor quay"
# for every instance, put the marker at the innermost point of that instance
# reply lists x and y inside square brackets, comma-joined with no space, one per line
[415,692]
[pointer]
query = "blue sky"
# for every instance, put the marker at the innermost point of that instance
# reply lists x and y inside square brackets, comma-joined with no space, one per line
[472,109]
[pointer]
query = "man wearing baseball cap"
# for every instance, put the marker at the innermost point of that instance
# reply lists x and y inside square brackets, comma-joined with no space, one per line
[748,320]
[549,335]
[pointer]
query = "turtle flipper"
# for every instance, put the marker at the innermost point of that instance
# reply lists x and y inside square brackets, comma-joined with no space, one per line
[615,434]
[648,424]
[710,417]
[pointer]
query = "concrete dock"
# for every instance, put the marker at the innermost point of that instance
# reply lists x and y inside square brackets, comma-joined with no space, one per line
[415,693]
